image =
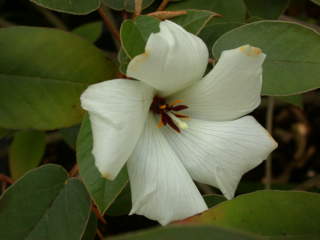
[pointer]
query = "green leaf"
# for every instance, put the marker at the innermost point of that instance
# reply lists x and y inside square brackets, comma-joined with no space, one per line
[213,199]
[122,205]
[26,152]
[186,232]
[70,135]
[233,15]
[103,191]
[268,213]
[127,5]
[77,7]
[4,132]
[135,33]
[296,100]
[90,31]
[44,204]
[316,2]
[91,229]
[292,54]
[123,60]
[231,9]
[266,9]
[213,31]
[195,20]
[42,74]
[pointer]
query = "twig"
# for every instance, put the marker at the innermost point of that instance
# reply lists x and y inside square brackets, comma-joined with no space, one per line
[109,23]
[6,179]
[97,213]
[137,7]
[212,61]
[309,184]
[74,171]
[52,18]
[100,235]
[163,5]
[269,120]
[167,14]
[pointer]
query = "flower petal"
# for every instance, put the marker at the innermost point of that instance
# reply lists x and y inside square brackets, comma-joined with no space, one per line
[117,111]
[219,153]
[231,90]
[173,59]
[161,187]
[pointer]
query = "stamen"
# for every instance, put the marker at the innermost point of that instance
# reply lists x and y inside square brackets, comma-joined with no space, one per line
[160,124]
[181,124]
[181,115]
[163,106]
[175,102]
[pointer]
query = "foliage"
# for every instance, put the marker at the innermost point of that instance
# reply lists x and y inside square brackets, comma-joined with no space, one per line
[50,53]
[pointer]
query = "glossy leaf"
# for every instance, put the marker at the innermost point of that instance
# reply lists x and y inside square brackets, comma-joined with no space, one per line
[292,54]
[195,20]
[103,191]
[44,204]
[78,7]
[127,5]
[42,74]
[26,152]
[90,31]
[134,34]
[203,232]
[267,9]
[268,213]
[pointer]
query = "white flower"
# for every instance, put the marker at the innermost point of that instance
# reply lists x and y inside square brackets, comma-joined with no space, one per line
[215,145]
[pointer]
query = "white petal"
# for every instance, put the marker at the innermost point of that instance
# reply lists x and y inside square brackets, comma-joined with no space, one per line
[161,187]
[231,90]
[219,153]
[173,59]
[117,111]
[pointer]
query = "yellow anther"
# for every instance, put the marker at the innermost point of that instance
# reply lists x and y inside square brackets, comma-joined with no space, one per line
[175,102]
[163,106]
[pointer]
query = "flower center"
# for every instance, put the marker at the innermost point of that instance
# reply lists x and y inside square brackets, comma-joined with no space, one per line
[168,113]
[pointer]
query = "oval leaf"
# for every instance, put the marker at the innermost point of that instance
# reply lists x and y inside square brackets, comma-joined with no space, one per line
[78,7]
[187,233]
[26,152]
[267,213]
[90,31]
[213,199]
[292,64]
[195,20]
[127,5]
[42,74]
[135,33]
[38,206]
[232,12]
[103,191]
[266,9]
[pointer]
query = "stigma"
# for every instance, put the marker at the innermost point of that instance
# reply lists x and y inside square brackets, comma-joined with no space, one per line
[168,113]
